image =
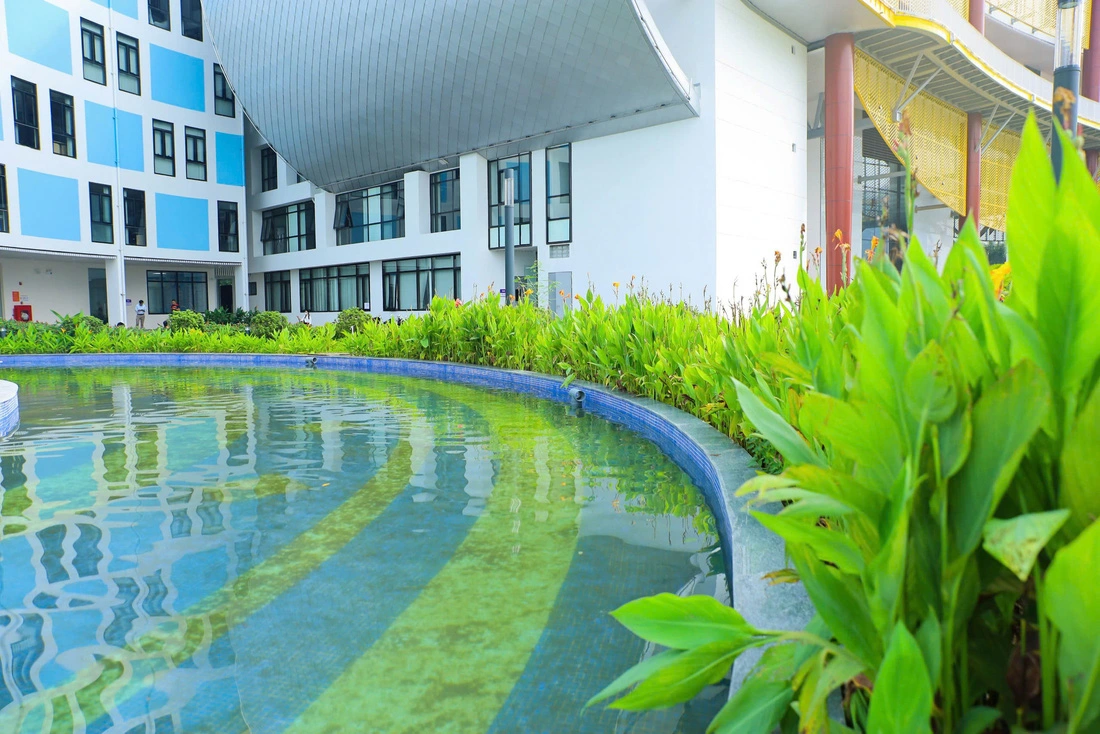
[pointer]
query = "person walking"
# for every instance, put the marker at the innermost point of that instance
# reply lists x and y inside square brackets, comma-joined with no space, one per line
[139,314]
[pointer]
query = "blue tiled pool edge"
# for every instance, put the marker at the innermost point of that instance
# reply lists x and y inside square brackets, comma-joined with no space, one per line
[711,459]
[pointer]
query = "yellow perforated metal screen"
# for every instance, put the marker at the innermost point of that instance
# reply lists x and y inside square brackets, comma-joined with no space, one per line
[963,6]
[997,162]
[1041,15]
[939,130]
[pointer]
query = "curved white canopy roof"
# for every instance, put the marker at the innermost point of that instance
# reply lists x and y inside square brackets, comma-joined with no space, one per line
[354,92]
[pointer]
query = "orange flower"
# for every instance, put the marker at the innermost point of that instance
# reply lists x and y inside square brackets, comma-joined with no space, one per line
[838,236]
[615,284]
[561,293]
[778,257]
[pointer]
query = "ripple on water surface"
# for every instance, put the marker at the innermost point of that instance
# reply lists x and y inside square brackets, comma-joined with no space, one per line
[218,551]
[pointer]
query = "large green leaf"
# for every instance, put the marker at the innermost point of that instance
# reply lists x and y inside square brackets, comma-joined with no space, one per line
[1080,489]
[978,720]
[683,622]
[841,603]
[683,678]
[1071,600]
[930,392]
[1004,420]
[1018,542]
[1030,212]
[777,431]
[828,545]
[636,673]
[756,708]
[859,431]
[902,698]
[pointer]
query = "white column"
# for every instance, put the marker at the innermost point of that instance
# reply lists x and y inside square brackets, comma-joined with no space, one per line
[417,203]
[116,292]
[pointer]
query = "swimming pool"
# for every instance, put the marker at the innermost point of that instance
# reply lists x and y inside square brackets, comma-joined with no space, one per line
[305,551]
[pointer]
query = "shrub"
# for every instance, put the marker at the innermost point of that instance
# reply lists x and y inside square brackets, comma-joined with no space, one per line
[185,321]
[351,321]
[939,501]
[268,324]
[70,323]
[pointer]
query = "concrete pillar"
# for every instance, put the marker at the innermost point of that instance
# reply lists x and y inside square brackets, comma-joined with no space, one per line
[1090,63]
[977,15]
[418,206]
[840,101]
[116,292]
[974,167]
[240,286]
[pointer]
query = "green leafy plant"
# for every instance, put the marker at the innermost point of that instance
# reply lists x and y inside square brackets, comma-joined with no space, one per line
[69,323]
[268,324]
[938,502]
[352,321]
[186,321]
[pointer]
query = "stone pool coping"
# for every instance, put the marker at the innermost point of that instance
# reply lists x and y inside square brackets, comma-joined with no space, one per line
[717,464]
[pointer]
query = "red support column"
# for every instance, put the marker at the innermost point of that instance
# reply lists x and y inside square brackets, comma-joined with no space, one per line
[977,15]
[974,167]
[1090,64]
[840,122]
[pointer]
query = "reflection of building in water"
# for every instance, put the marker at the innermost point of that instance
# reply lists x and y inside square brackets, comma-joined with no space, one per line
[116,529]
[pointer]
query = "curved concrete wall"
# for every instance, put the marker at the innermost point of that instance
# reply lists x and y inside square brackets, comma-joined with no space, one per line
[354,93]
[9,408]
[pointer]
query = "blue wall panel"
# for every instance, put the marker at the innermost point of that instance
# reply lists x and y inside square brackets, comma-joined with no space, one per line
[183,223]
[49,206]
[230,158]
[126,7]
[177,79]
[39,31]
[101,124]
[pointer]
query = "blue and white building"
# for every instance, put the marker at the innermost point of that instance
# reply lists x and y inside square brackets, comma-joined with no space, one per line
[121,162]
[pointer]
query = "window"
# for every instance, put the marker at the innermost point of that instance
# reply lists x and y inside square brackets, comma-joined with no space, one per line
[522,166]
[409,285]
[129,64]
[277,291]
[186,289]
[377,213]
[25,105]
[164,148]
[559,185]
[334,288]
[4,227]
[224,102]
[194,141]
[288,229]
[191,16]
[102,224]
[446,201]
[160,14]
[133,212]
[269,170]
[95,64]
[227,227]
[253,288]
[64,124]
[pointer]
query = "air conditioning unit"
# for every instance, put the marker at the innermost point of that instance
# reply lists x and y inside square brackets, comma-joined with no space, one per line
[22,312]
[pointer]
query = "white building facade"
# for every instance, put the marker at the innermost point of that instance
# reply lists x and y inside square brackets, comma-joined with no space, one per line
[122,154]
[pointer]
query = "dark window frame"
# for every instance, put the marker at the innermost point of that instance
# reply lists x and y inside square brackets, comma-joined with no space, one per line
[5,226]
[562,200]
[384,227]
[101,209]
[194,151]
[446,220]
[277,291]
[228,227]
[269,169]
[191,19]
[93,50]
[133,217]
[158,7]
[496,201]
[320,289]
[24,96]
[64,134]
[128,52]
[164,139]
[223,95]
[425,271]
[172,285]
[275,230]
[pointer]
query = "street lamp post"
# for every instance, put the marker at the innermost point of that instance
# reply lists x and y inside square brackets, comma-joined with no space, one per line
[1068,47]
[509,235]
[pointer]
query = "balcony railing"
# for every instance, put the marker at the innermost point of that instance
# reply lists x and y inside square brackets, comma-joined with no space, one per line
[1040,15]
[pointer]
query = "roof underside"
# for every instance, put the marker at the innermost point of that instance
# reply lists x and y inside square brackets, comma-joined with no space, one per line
[355,93]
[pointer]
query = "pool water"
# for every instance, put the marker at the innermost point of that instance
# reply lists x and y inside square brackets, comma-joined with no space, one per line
[302,551]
